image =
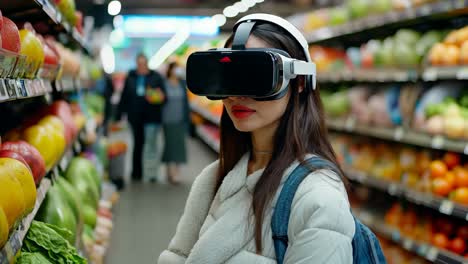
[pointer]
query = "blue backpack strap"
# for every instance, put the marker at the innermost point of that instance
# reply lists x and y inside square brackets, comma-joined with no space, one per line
[280,218]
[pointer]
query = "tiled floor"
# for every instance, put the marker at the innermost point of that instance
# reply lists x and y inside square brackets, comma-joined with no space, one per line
[147,214]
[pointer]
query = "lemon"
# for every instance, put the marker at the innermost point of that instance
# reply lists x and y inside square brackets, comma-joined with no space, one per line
[26,179]
[54,122]
[11,196]
[3,228]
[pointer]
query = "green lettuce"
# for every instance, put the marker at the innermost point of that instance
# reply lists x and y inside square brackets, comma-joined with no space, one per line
[32,258]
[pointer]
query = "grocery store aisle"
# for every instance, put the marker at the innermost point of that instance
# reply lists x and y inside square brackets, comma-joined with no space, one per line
[147,214]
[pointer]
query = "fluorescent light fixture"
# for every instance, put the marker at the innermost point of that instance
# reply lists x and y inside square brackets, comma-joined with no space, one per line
[219,19]
[230,11]
[160,25]
[107,58]
[114,7]
[249,3]
[118,21]
[259,1]
[170,47]
[241,7]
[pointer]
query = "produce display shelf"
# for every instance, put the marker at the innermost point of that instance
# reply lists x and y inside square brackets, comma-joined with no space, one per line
[369,75]
[399,134]
[395,75]
[17,89]
[33,10]
[15,242]
[211,142]
[429,252]
[377,21]
[205,114]
[442,205]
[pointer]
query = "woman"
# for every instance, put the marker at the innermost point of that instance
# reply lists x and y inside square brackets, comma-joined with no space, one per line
[175,123]
[228,213]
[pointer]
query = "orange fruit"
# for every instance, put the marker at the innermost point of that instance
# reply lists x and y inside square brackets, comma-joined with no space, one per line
[451,159]
[461,178]
[440,240]
[461,195]
[441,186]
[438,169]
[450,177]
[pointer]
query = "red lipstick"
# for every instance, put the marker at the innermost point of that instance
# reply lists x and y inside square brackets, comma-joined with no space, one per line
[240,111]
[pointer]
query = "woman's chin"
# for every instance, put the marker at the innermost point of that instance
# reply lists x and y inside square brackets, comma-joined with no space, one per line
[244,126]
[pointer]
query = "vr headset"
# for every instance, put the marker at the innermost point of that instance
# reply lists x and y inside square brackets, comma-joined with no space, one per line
[261,73]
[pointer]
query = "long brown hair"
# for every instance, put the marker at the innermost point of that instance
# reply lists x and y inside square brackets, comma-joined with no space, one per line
[301,131]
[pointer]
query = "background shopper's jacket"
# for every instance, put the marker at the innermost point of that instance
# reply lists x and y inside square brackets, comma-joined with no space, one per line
[220,230]
[136,107]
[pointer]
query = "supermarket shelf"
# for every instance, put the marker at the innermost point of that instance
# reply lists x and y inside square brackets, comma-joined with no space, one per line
[398,190]
[395,75]
[14,244]
[399,134]
[212,143]
[377,21]
[429,252]
[205,114]
[45,12]
[16,89]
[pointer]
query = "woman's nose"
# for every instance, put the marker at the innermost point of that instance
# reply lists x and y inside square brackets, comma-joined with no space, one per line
[237,98]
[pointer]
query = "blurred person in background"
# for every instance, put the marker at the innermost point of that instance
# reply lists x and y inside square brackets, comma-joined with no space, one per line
[175,122]
[143,113]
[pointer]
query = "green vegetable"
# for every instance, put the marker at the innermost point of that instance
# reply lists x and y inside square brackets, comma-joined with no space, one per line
[434,109]
[32,258]
[44,239]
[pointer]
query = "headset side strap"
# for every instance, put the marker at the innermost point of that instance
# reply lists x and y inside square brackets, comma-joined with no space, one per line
[242,35]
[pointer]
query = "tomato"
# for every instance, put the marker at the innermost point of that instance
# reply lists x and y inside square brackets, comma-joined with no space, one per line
[440,240]
[451,159]
[450,177]
[441,186]
[438,169]
[461,178]
[445,226]
[458,245]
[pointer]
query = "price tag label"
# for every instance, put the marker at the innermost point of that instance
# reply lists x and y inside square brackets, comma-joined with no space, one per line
[437,142]
[407,244]
[393,189]
[350,124]
[11,88]
[3,90]
[399,133]
[64,163]
[430,74]
[432,254]
[462,73]
[446,207]
[396,236]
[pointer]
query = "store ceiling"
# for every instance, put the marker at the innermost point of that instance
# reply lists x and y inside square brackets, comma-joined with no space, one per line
[284,8]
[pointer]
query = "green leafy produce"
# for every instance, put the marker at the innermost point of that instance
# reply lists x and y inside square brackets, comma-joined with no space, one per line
[32,258]
[45,240]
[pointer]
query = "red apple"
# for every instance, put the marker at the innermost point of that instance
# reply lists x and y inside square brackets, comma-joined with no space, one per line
[10,36]
[50,57]
[62,110]
[13,155]
[31,156]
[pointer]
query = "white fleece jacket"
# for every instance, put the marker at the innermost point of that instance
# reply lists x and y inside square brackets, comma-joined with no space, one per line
[220,230]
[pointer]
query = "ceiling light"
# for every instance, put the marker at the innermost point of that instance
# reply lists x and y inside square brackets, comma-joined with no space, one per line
[219,20]
[114,8]
[248,3]
[230,11]
[118,21]
[241,7]
[259,1]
